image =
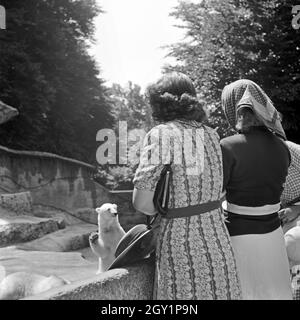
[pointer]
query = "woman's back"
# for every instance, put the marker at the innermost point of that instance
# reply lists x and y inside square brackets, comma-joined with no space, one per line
[255,167]
[196,162]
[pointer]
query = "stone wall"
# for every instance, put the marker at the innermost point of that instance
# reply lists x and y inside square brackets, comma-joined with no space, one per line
[59,183]
[132,283]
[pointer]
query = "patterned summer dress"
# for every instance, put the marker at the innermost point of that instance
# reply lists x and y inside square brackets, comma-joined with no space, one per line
[194,257]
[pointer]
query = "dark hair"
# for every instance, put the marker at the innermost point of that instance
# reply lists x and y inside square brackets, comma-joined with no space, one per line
[246,119]
[172,97]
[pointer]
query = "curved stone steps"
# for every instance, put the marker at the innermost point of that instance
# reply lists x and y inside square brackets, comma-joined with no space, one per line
[71,238]
[64,218]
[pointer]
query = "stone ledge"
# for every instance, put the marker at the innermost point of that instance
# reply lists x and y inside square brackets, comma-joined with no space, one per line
[40,154]
[24,228]
[20,203]
[132,283]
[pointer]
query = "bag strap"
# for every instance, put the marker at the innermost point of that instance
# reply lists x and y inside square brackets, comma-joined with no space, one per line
[151,220]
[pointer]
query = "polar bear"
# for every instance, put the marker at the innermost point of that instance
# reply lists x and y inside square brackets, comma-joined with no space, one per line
[104,242]
[19,285]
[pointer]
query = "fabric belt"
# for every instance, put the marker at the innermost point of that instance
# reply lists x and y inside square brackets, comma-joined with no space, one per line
[192,210]
[256,211]
[238,224]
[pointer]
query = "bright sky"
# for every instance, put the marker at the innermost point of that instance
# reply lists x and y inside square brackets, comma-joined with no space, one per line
[129,36]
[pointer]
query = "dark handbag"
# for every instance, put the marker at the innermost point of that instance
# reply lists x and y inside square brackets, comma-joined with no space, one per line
[162,190]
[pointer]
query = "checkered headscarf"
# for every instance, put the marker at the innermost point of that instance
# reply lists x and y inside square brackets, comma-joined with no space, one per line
[291,189]
[246,92]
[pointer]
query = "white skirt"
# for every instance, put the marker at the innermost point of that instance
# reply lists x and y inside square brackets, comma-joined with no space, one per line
[262,264]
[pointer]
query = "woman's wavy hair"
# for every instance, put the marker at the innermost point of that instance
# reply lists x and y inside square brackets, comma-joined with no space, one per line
[173,97]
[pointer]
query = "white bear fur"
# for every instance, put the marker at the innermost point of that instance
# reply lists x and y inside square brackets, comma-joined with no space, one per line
[110,233]
[23,284]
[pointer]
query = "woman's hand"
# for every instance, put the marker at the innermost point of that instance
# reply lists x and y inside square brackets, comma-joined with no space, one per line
[289,214]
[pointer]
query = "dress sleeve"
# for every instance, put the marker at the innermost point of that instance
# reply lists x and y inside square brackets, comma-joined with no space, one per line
[291,189]
[294,153]
[228,163]
[152,159]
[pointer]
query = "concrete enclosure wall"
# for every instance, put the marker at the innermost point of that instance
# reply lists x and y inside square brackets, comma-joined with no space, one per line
[132,283]
[61,183]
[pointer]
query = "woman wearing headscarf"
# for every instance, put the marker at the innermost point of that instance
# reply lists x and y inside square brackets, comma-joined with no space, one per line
[290,216]
[194,256]
[290,197]
[255,164]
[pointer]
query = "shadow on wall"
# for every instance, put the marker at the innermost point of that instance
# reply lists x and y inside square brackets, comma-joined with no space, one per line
[61,184]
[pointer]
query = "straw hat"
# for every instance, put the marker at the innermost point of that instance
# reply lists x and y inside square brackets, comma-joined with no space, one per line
[137,244]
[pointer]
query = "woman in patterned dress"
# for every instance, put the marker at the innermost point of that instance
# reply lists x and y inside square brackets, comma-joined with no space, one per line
[194,257]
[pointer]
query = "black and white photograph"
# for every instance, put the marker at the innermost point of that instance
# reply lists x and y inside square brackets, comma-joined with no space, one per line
[149,151]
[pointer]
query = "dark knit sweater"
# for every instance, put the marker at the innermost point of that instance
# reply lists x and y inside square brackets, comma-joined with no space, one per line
[255,167]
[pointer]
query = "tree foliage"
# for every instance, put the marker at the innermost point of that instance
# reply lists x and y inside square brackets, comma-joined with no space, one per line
[130,105]
[230,40]
[48,75]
